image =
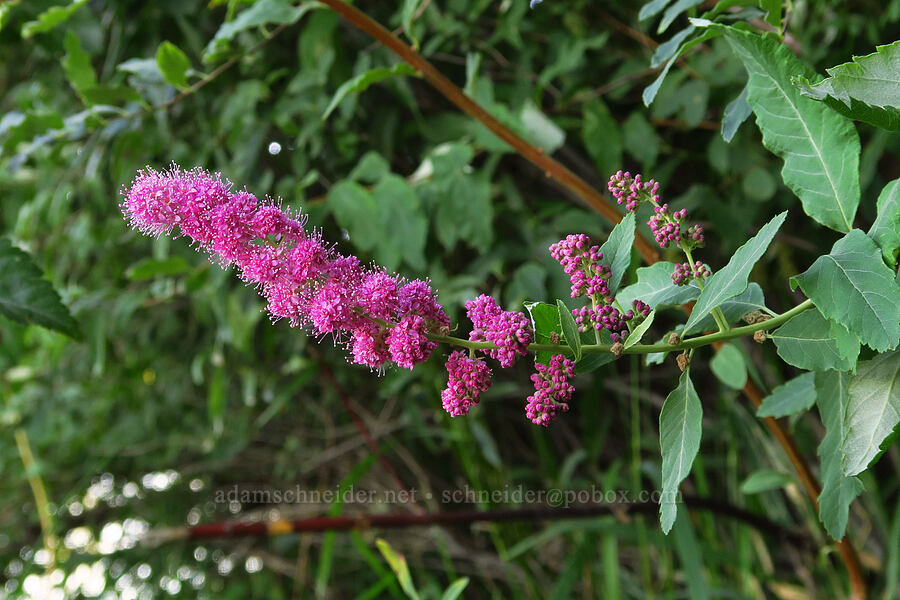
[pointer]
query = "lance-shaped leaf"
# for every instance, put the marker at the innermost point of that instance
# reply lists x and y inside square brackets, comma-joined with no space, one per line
[729,367]
[635,336]
[173,64]
[361,82]
[27,297]
[680,427]
[790,398]
[569,329]
[886,228]
[736,113]
[810,341]
[731,280]
[734,309]
[820,149]
[873,411]
[654,287]
[866,89]
[617,250]
[838,490]
[852,286]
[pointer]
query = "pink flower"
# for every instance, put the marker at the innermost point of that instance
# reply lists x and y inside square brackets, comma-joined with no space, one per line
[408,342]
[468,378]
[510,331]
[552,390]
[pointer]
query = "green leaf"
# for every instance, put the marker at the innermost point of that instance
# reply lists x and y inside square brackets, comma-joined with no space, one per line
[820,149]
[544,321]
[406,18]
[734,309]
[667,49]
[355,210]
[640,139]
[569,329]
[654,286]
[765,480]
[397,562]
[680,427]
[263,12]
[464,210]
[540,130]
[838,490]
[370,168]
[654,7]
[77,65]
[51,18]
[673,11]
[455,589]
[790,398]
[773,10]
[810,341]
[736,113]
[731,280]
[873,411]
[400,213]
[866,89]
[635,336]
[852,286]
[362,82]
[26,297]
[617,251]
[729,367]
[649,93]
[886,228]
[601,135]
[173,64]
[149,268]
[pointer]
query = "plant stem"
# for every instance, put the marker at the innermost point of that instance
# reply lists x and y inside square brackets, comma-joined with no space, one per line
[553,169]
[41,500]
[688,344]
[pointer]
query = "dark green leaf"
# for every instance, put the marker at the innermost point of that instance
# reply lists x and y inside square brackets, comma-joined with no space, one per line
[790,398]
[77,65]
[400,213]
[26,297]
[736,113]
[263,12]
[406,18]
[852,286]
[680,428]
[544,321]
[149,268]
[569,329]
[355,210]
[602,136]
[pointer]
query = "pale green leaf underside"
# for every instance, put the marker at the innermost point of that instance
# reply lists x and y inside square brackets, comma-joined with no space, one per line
[635,336]
[852,286]
[810,341]
[731,280]
[680,427]
[873,79]
[820,148]
[886,228]
[790,398]
[838,490]
[729,367]
[617,251]
[654,287]
[873,411]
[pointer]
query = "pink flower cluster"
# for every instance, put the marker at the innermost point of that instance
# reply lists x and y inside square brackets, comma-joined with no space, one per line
[581,262]
[685,272]
[509,331]
[379,317]
[552,390]
[632,190]
[468,378]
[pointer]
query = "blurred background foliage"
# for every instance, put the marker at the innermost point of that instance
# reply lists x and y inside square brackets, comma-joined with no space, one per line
[181,388]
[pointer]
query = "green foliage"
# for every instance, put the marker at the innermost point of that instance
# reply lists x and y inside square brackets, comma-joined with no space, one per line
[51,18]
[851,286]
[680,427]
[810,341]
[25,296]
[731,280]
[635,336]
[790,398]
[617,251]
[173,64]
[545,322]
[729,367]
[886,228]
[569,329]
[866,89]
[873,410]
[361,83]
[764,481]
[820,149]
[654,287]
[838,489]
